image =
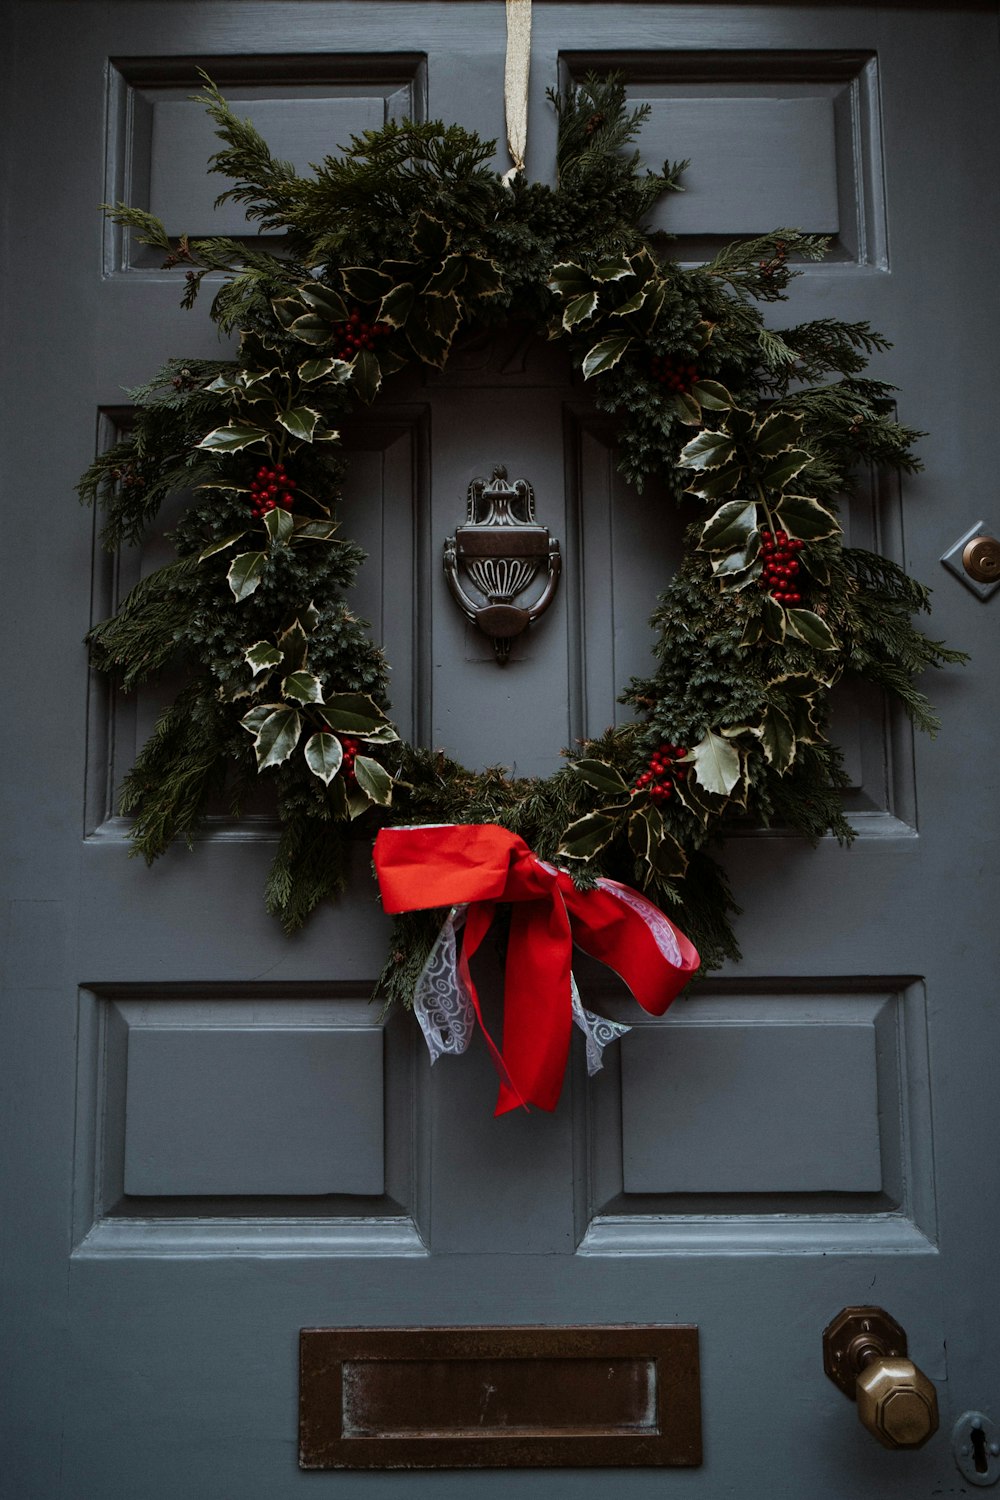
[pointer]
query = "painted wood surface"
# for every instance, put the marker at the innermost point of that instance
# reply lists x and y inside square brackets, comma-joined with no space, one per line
[830,1137]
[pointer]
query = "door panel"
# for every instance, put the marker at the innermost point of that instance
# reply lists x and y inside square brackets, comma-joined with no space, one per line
[215,1139]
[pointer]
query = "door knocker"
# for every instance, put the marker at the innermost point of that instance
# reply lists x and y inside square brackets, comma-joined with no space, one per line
[501,548]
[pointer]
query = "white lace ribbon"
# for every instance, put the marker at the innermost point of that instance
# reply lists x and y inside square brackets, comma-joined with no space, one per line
[443,1005]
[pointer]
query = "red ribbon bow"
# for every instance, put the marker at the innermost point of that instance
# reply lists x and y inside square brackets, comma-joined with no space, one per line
[481,865]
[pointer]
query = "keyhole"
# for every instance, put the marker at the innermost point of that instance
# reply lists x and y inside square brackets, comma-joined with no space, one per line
[980,1457]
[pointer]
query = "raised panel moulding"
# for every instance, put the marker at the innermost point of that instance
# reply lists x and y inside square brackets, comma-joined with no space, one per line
[756,163]
[750,1108]
[182,193]
[264,1111]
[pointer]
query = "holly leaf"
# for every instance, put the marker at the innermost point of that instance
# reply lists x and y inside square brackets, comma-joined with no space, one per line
[315,531]
[709,450]
[323,299]
[318,369]
[300,421]
[245,573]
[732,526]
[773,620]
[805,518]
[431,328]
[782,469]
[221,545]
[397,305]
[687,409]
[354,713]
[231,438]
[816,567]
[324,756]
[776,433]
[430,237]
[586,836]
[613,270]
[811,629]
[448,276]
[631,304]
[277,737]
[311,328]
[605,355]
[303,687]
[483,277]
[579,310]
[711,395]
[365,284]
[366,376]
[717,483]
[293,644]
[279,525]
[598,774]
[262,656]
[778,739]
[374,780]
[716,764]
[569,280]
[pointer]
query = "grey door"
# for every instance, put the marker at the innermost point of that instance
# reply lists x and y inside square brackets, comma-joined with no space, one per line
[213,1140]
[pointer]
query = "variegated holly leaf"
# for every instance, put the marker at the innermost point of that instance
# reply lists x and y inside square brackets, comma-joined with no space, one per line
[277,736]
[279,525]
[374,780]
[245,573]
[773,620]
[805,518]
[397,305]
[709,450]
[658,850]
[312,328]
[569,280]
[686,408]
[323,299]
[221,545]
[262,657]
[324,756]
[811,629]
[366,376]
[431,327]
[231,438]
[300,421]
[579,310]
[605,354]
[731,527]
[303,687]
[337,370]
[356,714]
[598,774]
[717,482]
[711,395]
[776,472]
[364,284]
[777,736]
[315,531]
[716,764]
[293,644]
[586,836]
[777,433]
[615,269]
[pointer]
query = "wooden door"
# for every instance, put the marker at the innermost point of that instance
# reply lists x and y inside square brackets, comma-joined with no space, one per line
[213,1139]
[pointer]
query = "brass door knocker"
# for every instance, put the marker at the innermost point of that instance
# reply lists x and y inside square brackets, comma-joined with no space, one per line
[501,548]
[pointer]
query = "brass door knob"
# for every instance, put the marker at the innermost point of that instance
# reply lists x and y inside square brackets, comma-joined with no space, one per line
[981,559]
[864,1353]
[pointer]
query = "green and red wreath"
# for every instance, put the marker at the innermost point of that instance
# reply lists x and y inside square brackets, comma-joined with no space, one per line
[401,245]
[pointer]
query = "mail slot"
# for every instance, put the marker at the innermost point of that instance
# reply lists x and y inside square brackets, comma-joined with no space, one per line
[439,1398]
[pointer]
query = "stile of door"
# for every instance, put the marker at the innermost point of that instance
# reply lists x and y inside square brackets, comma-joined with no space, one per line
[212,1138]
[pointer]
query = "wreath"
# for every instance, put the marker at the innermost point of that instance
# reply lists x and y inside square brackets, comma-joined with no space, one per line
[392,250]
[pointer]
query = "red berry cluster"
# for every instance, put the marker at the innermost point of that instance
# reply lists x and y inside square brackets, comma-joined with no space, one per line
[662,772]
[780,565]
[351,747]
[351,337]
[678,374]
[270,489]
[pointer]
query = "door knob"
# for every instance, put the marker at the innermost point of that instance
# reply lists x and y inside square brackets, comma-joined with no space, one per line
[981,559]
[864,1353]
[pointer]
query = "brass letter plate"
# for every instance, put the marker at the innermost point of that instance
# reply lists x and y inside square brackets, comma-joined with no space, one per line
[491,1398]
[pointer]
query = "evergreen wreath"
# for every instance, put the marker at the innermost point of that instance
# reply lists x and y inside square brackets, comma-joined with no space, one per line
[390,251]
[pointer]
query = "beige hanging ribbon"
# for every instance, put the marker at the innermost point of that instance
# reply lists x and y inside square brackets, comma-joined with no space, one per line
[515,82]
